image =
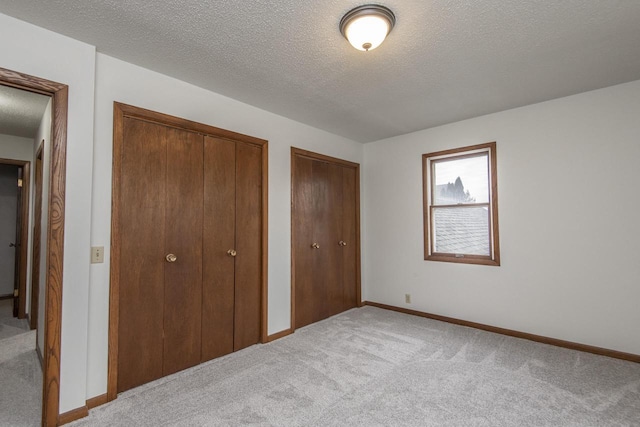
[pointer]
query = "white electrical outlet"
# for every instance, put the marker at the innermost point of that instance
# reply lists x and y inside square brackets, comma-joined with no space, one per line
[97,254]
[407,298]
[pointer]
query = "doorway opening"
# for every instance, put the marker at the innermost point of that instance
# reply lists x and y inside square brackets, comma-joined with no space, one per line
[14,215]
[52,253]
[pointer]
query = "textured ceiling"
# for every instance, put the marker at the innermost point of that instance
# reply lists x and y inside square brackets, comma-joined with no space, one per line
[446,60]
[21,111]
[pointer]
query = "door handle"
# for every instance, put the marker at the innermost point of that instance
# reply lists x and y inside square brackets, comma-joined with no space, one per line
[315,246]
[171,258]
[13,245]
[232,252]
[342,243]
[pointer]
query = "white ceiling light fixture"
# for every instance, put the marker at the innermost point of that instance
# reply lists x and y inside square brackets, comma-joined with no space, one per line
[367,26]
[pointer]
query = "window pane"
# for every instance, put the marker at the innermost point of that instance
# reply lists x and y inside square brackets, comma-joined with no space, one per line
[462,230]
[461,180]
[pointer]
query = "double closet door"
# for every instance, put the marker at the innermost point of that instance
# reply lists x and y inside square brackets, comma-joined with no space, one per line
[325,236]
[189,230]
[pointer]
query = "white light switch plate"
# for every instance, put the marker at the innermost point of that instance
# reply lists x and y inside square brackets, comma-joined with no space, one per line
[97,254]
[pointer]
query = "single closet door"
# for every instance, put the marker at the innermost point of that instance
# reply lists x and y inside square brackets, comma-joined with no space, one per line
[183,240]
[341,282]
[325,238]
[232,246]
[311,221]
[349,242]
[219,236]
[248,261]
[160,233]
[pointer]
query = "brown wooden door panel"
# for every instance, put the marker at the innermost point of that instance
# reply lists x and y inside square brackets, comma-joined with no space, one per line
[349,236]
[321,234]
[334,260]
[183,238]
[302,220]
[248,245]
[218,238]
[142,224]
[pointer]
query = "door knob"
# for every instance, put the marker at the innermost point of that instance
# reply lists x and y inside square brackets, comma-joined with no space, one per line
[232,252]
[171,258]
[315,246]
[342,243]
[13,245]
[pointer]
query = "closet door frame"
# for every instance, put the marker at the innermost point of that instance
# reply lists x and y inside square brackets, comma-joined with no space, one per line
[300,153]
[120,112]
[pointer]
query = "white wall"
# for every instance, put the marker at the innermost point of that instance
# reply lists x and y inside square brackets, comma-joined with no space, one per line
[568,211]
[43,134]
[45,54]
[119,81]
[16,148]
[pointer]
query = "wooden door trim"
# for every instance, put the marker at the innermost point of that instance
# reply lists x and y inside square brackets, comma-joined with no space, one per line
[323,158]
[264,327]
[24,233]
[295,153]
[36,241]
[180,123]
[120,112]
[55,234]
[24,239]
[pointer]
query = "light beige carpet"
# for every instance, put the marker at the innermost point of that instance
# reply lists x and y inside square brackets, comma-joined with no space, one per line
[21,391]
[20,371]
[9,325]
[16,345]
[372,367]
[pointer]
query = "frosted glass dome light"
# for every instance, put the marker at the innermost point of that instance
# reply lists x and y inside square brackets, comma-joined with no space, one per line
[367,26]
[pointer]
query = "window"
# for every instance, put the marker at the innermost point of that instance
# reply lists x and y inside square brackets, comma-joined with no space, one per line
[461,205]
